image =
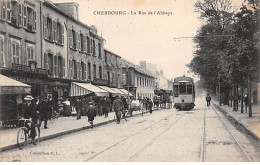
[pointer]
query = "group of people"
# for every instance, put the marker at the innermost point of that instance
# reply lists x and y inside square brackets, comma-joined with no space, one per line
[97,105]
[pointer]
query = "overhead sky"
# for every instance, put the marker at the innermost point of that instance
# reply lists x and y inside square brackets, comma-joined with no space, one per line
[146,37]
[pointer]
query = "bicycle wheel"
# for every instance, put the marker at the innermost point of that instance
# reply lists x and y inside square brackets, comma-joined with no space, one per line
[21,138]
[37,137]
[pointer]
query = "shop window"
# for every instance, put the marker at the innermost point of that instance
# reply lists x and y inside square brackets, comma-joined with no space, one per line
[2,51]
[16,51]
[30,51]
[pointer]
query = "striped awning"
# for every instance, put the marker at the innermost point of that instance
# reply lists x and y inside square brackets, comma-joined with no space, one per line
[126,92]
[110,90]
[80,89]
[118,91]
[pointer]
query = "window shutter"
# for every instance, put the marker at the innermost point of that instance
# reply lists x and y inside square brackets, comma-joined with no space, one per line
[54,28]
[20,15]
[84,44]
[71,75]
[8,11]
[62,39]
[85,71]
[1,10]
[76,35]
[63,67]
[24,16]
[45,26]
[70,37]
[46,66]
[77,71]
[35,20]
[91,47]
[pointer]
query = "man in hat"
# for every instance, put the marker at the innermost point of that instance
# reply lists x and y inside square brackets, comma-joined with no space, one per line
[28,112]
[44,112]
[208,99]
[118,106]
[91,113]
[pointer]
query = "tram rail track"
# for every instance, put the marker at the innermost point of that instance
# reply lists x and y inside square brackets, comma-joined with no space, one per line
[144,129]
[203,138]
[233,137]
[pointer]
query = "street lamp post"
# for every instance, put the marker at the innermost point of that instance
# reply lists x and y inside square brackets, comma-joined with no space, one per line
[127,79]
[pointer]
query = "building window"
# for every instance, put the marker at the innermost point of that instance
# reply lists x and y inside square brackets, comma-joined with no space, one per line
[83,71]
[8,11]
[59,32]
[70,68]
[94,47]
[88,45]
[2,51]
[81,42]
[60,67]
[49,29]
[31,18]
[100,72]
[74,69]
[99,50]
[73,39]
[30,51]
[137,81]
[3,9]
[50,62]
[94,71]
[89,71]
[16,51]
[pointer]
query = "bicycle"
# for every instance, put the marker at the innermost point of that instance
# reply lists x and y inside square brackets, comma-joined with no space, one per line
[120,115]
[24,131]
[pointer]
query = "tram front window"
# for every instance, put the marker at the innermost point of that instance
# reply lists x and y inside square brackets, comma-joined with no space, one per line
[189,89]
[182,89]
[176,88]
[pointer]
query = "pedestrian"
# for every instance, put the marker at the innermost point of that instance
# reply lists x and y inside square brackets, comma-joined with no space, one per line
[246,101]
[208,99]
[91,113]
[51,105]
[150,105]
[44,112]
[117,106]
[78,107]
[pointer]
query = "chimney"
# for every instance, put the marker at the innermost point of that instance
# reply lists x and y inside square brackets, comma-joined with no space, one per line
[93,29]
[71,8]
[143,64]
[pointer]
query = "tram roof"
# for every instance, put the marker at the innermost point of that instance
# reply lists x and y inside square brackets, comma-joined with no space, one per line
[183,79]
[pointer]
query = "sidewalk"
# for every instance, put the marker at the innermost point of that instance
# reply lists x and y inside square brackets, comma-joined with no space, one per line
[58,127]
[251,124]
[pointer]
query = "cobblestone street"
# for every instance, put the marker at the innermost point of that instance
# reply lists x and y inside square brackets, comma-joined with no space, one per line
[165,135]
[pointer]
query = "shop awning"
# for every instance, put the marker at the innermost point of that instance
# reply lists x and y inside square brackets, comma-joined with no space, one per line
[118,91]
[11,86]
[80,89]
[125,92]
[110,90]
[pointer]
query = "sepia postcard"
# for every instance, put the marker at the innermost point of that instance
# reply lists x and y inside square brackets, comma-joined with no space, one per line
[129,81]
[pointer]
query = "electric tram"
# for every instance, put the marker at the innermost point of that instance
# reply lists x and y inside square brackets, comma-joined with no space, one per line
[184,93]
